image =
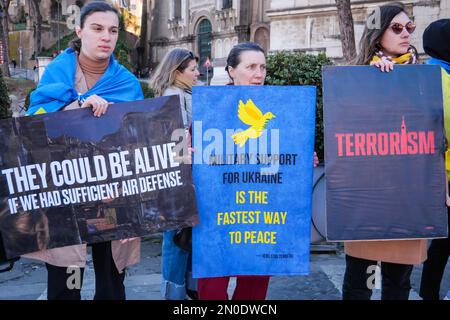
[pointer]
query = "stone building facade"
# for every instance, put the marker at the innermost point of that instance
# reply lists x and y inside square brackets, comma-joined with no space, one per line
[210,28]
[22,28]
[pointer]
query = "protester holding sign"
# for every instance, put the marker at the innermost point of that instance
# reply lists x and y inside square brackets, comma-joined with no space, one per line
[176,75]
[436,43]
[383,47]
[246,66]
[87,76]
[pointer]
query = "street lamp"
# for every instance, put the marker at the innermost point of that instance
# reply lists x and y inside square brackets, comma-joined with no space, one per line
[20,56]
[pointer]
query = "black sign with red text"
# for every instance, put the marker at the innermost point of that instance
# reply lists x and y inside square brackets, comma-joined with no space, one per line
[384,153]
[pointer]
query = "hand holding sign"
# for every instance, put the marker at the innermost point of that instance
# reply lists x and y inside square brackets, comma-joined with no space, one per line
[98,104]
[383,65]
[93,179]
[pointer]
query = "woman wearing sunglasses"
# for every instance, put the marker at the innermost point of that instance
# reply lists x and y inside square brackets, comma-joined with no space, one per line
[391,43]
[384,47]
[176,75]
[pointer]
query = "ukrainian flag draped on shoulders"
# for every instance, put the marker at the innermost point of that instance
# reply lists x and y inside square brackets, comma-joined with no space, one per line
[56,88]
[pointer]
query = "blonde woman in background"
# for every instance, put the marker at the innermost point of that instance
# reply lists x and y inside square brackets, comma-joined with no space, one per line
[176,75]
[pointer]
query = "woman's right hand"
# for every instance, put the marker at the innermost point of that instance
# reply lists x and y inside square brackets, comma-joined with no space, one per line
[383,65]
[98,104]
[316,160]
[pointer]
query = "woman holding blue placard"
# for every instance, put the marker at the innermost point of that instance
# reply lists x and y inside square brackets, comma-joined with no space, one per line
[176,75]
[246,65]
[383,47]
[87,76]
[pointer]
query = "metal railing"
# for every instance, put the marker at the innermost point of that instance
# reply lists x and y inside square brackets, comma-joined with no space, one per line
[23,73]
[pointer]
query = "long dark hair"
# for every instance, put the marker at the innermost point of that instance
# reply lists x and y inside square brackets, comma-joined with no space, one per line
[370,40]
[234,58]
[86,11]
[177,59]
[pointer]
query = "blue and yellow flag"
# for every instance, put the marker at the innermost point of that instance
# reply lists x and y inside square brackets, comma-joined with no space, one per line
[56,88]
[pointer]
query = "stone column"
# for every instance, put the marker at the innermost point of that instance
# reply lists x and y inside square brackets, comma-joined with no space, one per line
[42,63]
[171,10]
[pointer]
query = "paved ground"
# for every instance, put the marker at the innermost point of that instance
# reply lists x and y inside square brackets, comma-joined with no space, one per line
[27,281]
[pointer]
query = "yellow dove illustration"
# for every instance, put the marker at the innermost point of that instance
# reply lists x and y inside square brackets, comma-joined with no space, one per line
[250,114]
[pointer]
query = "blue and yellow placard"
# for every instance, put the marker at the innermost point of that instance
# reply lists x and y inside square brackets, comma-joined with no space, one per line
[253,169]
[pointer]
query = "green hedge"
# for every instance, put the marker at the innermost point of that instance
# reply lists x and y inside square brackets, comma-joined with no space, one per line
[64,43]
[122,58]
[148,92]
[5,101]
[291,68]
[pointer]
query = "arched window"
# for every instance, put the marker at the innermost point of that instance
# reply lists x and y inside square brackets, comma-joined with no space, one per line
[177,9]
[56,11]
[226,47]
[204,40]
[204,44]
[219,49]
[262,37]
[227,4]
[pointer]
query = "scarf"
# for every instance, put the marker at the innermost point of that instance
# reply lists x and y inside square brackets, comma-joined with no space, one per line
[407,58]
[183,85]
[56,88]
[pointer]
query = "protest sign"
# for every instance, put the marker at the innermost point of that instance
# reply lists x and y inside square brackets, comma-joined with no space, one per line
[384,153]
[253,168]
[70,178]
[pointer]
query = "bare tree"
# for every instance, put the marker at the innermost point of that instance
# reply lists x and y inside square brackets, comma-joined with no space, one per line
[142,43]
[4,35]
[347,29]
[37,26]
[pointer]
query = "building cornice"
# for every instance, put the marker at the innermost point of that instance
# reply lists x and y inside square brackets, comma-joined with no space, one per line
[330,8]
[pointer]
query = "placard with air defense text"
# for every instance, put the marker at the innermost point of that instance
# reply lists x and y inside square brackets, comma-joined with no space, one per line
[253,168]
[69,178]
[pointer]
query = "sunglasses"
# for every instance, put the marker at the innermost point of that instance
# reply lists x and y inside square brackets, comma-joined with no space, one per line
[397,28]
[189,56]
